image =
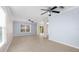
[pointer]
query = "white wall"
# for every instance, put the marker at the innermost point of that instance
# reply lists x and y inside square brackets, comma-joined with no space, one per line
[8,33]
[8,30]
[64,28]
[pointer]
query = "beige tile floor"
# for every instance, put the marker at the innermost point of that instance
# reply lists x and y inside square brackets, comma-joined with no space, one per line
[37,44]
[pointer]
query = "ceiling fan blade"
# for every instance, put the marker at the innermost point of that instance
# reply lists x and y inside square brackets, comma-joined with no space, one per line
[44,12]
[54,7]
[44,9]
[56,11]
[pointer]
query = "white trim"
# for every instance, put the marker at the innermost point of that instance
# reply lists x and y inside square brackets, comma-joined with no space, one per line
[65,44]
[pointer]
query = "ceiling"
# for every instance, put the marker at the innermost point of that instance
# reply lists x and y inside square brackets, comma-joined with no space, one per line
[32,12]
[26,12]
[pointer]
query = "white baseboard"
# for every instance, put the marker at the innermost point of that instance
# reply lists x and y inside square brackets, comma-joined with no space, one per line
[65,44]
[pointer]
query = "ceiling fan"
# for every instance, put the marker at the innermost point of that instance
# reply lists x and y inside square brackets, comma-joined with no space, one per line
[31,20]
[51,9]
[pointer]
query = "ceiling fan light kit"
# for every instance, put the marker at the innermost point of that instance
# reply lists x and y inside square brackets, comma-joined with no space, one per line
[49,14]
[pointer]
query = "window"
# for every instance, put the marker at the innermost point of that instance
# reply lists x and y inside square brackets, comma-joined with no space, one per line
[25,28]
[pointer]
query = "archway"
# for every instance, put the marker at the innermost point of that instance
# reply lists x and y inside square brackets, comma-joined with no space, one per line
[2,26]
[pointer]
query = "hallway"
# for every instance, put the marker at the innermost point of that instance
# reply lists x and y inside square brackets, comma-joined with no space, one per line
[37,44]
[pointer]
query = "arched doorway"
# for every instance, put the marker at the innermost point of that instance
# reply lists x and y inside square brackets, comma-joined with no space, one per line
[2,26]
